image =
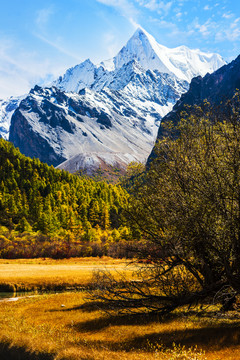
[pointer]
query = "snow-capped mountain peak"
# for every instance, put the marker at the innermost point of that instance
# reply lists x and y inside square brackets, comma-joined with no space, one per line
[143,48]
[181,61]
[77,77]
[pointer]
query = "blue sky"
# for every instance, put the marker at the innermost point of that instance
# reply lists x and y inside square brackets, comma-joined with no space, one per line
[39,40]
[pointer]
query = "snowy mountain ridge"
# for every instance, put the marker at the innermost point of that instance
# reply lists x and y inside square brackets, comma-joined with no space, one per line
[180,62]
[112,109]
[121,123]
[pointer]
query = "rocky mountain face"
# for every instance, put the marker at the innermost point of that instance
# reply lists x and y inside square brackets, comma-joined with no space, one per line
[216,88]
[107,113]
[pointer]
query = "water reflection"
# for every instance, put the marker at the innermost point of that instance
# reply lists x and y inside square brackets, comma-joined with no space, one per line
[15,295]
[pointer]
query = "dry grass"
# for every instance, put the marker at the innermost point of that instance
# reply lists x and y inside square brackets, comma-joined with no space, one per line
[59,326]
[40,274]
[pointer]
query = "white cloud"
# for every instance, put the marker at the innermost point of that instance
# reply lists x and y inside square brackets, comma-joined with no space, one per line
[232,35]
[178,15]
[156,5]
[235,23]
[227,15]
[43,16]
[206,28]
[206,7]
[203,29]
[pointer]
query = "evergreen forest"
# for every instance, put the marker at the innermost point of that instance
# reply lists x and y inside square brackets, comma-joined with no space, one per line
[45,212]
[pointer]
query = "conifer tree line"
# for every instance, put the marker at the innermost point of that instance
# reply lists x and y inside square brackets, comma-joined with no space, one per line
[37,198]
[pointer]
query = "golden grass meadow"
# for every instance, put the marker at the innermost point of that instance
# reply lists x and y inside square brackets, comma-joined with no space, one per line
[58,326]
[49,274]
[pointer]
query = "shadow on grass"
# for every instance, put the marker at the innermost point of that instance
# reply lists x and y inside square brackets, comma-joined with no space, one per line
[210,338]
[214,337]
[119,320]
[222,334]
[8,352]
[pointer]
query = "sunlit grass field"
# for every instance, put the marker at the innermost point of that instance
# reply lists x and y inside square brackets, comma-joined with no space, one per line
[59,326]
[40,274]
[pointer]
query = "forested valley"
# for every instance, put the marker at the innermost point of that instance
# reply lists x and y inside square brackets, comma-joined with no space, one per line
[179,218]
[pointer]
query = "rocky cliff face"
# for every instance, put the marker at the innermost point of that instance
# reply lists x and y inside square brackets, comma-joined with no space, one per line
[113,108]
[216,88]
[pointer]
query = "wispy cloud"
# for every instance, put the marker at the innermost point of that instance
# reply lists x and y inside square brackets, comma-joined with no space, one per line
[235,23]
[231,34]
[206,28]
[111,44]
[172,30]
[161,7]
[43,16]
[19,73]
[55,44]
[228,15]
[126,9]
[206,7]
[178,15]
[220,30]
[42,20]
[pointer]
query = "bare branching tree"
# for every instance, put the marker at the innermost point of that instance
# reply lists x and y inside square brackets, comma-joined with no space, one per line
[187,208]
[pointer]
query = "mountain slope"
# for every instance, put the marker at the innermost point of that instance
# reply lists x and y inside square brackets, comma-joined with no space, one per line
[60,125]
[7,108]
[216,88]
